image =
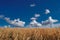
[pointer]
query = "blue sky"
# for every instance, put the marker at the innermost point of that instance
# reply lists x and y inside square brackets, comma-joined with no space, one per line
[22,9]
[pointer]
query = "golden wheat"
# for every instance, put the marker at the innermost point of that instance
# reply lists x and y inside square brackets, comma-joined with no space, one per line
[29,33]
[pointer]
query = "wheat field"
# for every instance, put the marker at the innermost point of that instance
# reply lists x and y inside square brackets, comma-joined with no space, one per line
[29,33]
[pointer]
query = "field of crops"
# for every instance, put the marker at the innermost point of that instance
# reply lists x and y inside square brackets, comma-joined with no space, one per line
[29,33]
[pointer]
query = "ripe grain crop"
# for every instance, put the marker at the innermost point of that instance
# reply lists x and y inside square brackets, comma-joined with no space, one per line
[29,33]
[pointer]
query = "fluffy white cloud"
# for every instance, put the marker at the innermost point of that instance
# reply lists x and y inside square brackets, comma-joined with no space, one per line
[7,19]
[52,20]
[15,22]
[1,16]
[32,5]
[49,21]
[47,11]
[37,15]
[34,23]
[33,18]
[7,26]
[18,23]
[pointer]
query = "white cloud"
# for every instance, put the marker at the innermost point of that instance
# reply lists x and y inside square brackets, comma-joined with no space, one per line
[32,5]
[1,16]
[37,15]
[15,22]
[47,11]
[7,19]
[52,20]
[34,23]
[33,18]
[7,26]
[49,21]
